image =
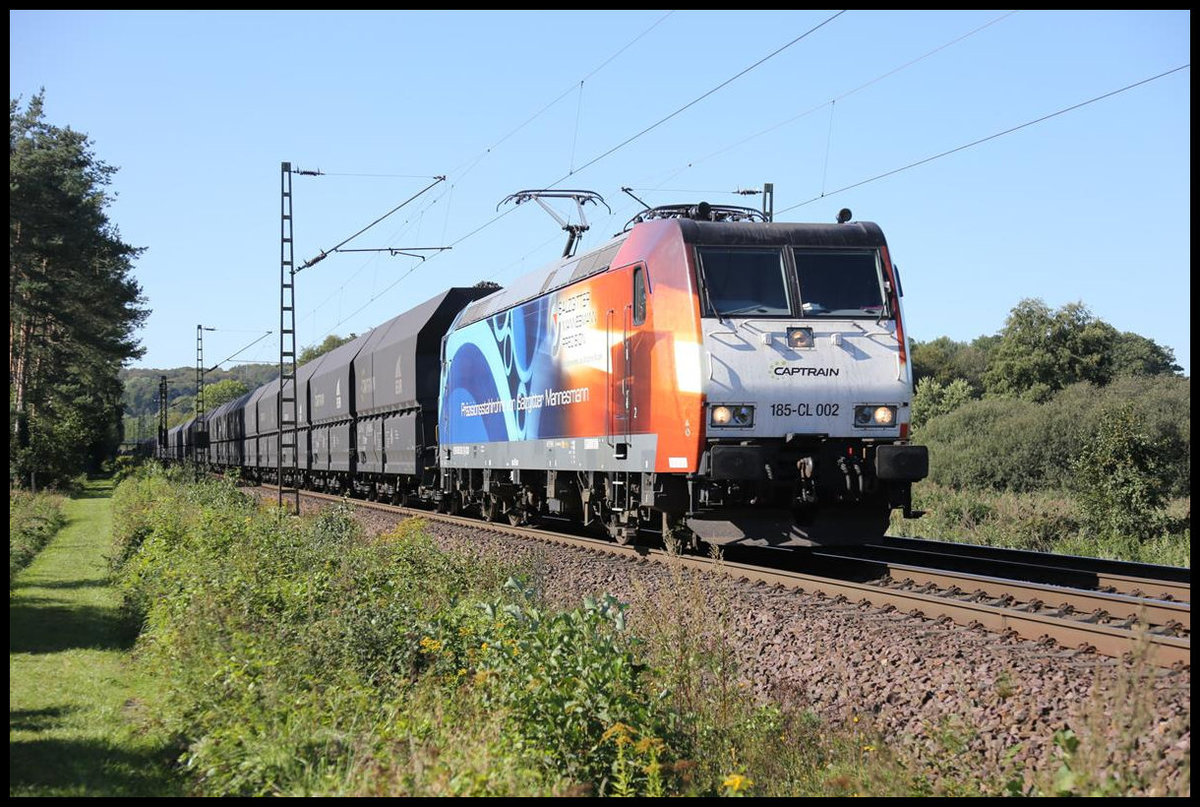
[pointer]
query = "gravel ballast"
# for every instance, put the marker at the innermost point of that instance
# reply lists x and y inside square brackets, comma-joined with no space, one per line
[958,701]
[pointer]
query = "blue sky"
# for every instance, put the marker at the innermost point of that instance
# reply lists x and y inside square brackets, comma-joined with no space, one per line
[197,110]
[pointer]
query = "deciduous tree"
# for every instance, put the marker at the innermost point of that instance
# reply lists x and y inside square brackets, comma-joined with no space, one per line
[1040,351]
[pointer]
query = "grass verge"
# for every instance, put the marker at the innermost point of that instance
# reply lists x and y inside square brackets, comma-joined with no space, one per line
[33,519]
[70,695]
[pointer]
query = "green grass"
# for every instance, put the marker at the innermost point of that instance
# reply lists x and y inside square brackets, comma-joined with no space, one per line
[306,657]
[33,519]
[1044,521]
[72,713]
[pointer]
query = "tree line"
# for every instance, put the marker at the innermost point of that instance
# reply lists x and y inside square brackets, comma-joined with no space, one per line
[141,388]
[73,304]
[1059,400]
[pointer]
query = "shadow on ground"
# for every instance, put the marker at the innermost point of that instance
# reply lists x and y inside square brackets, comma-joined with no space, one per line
[38,719]
[92,582]
[38,626]
[86,768]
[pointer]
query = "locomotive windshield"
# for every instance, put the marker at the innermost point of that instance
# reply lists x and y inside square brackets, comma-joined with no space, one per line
[839,284]
[815,283]
[742,282]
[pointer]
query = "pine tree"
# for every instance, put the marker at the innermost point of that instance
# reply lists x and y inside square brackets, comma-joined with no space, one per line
[73,306]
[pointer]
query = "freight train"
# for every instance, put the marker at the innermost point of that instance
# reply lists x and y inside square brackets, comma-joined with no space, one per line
[706,376]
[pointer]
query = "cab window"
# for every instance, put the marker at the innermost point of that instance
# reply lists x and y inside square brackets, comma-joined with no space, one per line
[744,282]
[840,284]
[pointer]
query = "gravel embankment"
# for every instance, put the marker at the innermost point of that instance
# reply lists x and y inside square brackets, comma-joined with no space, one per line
[958,701]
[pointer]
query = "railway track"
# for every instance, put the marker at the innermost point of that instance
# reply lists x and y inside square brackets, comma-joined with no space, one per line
[1137,579]
[1105,612]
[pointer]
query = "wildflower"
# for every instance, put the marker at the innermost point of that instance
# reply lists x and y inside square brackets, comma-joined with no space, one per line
[620,731]
[868,748]
[648,744]
[736,782]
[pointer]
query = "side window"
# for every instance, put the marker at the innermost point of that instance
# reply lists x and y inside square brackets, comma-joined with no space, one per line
[639,295]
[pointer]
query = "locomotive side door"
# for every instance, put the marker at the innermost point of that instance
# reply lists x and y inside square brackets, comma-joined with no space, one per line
[629,360]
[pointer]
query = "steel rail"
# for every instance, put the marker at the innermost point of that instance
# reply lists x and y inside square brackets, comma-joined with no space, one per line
[1117,606]
[1168,582]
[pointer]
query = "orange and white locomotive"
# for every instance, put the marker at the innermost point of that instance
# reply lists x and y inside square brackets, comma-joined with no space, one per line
[704,372]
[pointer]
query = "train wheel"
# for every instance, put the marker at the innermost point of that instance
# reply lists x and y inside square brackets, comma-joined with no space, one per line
[491,507]
[676,536]
[621,529]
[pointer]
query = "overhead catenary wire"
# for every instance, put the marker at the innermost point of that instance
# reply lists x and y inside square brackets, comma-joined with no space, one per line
[610,151]
[965,146]
[700,98]
[326,252]
[378,176]
[448,195]
[661,121]
[459,176]
[860,87]
[243,350]
[833,100]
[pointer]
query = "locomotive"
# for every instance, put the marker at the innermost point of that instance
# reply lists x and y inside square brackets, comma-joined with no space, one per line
[706,376]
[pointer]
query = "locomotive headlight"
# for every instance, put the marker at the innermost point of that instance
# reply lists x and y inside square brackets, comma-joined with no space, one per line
[799,337]
[872,415]
[737,415]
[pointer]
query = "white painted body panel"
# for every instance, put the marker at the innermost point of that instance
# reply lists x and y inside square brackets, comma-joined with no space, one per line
[807,390]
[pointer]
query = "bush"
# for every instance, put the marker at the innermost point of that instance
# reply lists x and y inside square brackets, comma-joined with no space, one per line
[1118,477]
[33,519]
[1020,446]
[933,399]
[572,687]
[301,657]
[289,644]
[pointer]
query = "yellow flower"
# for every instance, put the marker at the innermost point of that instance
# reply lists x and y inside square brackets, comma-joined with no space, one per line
[647,744]
[620,731]
[736,782]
